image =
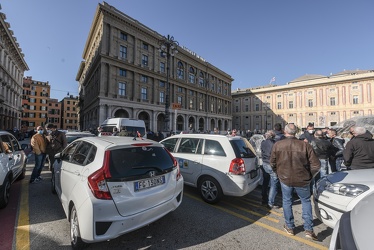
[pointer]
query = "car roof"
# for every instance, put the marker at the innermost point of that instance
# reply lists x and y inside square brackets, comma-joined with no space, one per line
[114,141]
[205,136]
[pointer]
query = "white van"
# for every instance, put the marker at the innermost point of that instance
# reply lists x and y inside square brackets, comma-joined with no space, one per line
[126,127]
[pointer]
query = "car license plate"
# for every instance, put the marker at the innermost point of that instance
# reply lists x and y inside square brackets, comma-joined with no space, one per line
[253,173]
[149,183]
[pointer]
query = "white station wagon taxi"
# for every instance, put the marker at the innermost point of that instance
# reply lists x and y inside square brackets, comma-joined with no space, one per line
[216,164]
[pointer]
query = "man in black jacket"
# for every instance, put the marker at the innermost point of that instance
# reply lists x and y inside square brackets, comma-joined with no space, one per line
[336,159]
[308,134]
[323,150]
[359,152]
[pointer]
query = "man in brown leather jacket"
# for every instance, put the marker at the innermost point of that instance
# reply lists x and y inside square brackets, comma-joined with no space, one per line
[296,164]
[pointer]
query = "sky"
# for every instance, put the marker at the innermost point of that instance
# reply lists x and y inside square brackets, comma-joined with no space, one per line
[256,42]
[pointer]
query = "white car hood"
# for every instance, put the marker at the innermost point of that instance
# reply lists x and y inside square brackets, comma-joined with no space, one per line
[360,176]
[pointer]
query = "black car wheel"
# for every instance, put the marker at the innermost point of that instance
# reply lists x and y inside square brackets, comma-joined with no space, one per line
[210,190]
[5,193]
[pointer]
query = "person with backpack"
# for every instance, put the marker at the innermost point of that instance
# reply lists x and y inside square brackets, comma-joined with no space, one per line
[56,142]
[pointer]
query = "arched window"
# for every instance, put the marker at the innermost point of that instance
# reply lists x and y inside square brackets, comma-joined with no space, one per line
[191,75]
[201,79]
[180,70]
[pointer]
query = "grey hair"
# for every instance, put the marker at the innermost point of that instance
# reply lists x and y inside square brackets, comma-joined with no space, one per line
[269,134]
[290,129]
[359,130]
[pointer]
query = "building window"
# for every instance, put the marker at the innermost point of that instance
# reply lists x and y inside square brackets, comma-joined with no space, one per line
[257,107]
[356,112]
[246,108]
[162,84]
[201,79]
[162,97]
[310,92]
[123,36]
[236,109]
[332,113]
[122,52]
[332,101]
[180,99]
[144,94]
[290,115]
[180,70]
[201,106]
[310,103]
[354,87]
[191,75]
[32,100]
[191,93]
[355,99]
[144,60]
[122,88]
[191,104]
[279,96]
[44,108]
[180,90]
[145,46]
[32,107]
[311,114]
[279,105]
[162,67]
[290,104]
[122,72]
[144,78]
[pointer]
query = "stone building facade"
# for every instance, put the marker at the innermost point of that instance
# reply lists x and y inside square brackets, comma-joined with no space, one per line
[123,74]
[322,100]
[12,68]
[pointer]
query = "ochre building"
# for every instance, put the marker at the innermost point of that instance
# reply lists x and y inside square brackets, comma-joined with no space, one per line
[322,100]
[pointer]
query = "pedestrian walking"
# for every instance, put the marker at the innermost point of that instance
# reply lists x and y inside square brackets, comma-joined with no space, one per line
[359,152]
[296,164]
[38,143]
[56,142]
[266,147]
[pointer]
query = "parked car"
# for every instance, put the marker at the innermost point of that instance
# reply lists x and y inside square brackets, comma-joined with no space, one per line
[112,185]
[12,164]
[339,192]
[216,164]
[354,229]
[72,136]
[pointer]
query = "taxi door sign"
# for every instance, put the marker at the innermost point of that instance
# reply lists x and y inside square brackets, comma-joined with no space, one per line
[176,105]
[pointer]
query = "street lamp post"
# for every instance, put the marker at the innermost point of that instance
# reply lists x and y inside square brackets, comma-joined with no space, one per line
[168,47]
[266,115]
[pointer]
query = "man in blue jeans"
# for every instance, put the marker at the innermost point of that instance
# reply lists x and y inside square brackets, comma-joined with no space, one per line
[266,146]
[296,164]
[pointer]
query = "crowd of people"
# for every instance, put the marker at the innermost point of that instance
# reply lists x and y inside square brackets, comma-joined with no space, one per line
[294,164]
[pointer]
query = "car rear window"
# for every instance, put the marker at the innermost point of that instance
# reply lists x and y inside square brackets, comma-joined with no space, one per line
[138,161]
[241,148]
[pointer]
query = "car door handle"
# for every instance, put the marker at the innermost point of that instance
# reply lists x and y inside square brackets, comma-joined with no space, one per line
[77,172]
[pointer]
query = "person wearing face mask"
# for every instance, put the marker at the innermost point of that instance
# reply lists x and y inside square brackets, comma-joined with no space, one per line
[308,135]
[38,144]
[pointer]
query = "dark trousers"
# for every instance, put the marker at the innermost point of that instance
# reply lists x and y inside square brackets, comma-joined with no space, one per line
[265,185]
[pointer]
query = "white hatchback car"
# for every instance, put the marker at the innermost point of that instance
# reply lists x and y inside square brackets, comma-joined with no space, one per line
[112,185]
[216,164]
[339,192]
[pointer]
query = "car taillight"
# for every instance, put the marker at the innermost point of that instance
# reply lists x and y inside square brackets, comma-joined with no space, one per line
[97,182]
[237,166]
[175,163]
